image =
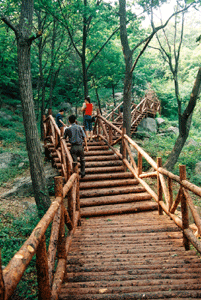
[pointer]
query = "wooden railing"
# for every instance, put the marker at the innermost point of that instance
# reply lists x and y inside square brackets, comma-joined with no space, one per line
[65,211]
[63,216]
[166,182]
[147,106]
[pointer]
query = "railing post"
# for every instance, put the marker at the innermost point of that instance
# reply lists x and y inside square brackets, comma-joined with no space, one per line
[139,169]
[159,187]
[61,239]
[170,202]
[2,286]
[110,135]
[98,122]
[184,208]
[75,170]
[70,195]
[123,146]
[44,292]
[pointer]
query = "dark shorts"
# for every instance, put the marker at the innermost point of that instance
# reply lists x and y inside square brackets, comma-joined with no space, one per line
[87,123]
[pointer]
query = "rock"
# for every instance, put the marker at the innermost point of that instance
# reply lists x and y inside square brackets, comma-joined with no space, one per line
[21,165]
[160,121]
[148,124]
[5,116]
[198,168]
[7,158]
[118,96]
[173,129]
[23,186]
[192,143]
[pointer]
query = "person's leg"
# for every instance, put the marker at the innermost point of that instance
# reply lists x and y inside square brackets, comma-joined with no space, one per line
[87,135]
[86,126]
[82,160]
[73,152]
[90,129]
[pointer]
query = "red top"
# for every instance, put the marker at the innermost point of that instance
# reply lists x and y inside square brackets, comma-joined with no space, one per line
[88,109]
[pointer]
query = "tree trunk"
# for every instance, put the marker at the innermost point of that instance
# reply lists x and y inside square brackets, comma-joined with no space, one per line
[185,124]
[128,66]
[32,139]
[52,64]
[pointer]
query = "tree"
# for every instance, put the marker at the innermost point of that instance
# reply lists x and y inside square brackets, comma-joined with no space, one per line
[171,52]
[128,52]
[82,19]
[24,36]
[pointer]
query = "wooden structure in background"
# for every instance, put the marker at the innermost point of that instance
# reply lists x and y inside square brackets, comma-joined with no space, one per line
[148,107]
[127,249]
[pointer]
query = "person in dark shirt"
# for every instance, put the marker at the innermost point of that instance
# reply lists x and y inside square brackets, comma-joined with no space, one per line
[59,120]
[76,137]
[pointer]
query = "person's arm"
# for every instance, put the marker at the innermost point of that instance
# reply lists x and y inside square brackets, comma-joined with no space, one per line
[62,122]
[83,106]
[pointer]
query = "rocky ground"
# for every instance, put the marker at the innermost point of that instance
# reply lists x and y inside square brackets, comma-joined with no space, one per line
[16,195]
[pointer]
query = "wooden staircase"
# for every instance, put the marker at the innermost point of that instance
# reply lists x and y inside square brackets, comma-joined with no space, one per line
[107,188]
[133,256]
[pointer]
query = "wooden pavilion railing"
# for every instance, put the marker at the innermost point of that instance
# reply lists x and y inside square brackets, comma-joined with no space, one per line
[165,180]
[50,263]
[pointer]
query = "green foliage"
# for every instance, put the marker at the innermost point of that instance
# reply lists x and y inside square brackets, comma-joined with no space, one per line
[12,237]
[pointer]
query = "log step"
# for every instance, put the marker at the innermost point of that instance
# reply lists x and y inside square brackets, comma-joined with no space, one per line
[112,176]
[103,170]
[111,191]
[96,164]
[132,256]
[107,183]
[114,199]
[118,209]
[102,158]
[99,153]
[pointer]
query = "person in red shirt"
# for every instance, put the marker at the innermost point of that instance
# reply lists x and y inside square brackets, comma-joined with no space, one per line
[88,109]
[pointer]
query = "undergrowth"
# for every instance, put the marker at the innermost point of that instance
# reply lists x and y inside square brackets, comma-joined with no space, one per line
[13,233]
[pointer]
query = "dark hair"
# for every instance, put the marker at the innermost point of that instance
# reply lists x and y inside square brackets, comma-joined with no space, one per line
[88,99]
[61,110]
[72,119]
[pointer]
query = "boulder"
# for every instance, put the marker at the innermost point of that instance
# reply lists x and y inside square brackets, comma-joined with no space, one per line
[148,124]
[192,142]
[23,187]
[118,96]
[173,129]
[8,158]
[160,121]
[5,116]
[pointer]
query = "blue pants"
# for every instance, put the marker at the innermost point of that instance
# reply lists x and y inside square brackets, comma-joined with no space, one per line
[87,123]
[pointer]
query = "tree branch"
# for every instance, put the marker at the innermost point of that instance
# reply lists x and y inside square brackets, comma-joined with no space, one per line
[102,47]
[9,23]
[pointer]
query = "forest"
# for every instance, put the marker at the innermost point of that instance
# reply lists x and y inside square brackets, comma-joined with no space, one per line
[55,53]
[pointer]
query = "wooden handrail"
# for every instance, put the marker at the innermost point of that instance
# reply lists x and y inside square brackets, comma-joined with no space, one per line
[166,193]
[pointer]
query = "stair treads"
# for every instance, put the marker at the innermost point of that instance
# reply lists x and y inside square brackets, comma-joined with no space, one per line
[99,153]
[107,183]
[95,164]
[118,208]
[111,191]
[114,199]
[108,175]
[103,169]
[102,158]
